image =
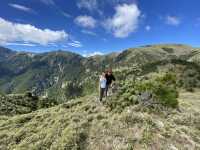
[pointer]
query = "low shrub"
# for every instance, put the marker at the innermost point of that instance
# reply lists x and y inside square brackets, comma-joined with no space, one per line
[162,89]
[189,79]
[46,103]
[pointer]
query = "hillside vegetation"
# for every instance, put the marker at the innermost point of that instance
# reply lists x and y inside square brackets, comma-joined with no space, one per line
[23,103]
[87,124]
[153,105]
[70,75]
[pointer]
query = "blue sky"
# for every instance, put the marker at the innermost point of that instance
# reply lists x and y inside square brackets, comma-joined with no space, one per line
[92,27]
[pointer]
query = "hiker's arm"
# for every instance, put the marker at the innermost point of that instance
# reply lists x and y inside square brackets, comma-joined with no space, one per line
[113,78]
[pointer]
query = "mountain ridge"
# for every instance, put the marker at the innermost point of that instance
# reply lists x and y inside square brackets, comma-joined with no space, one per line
[46,73]
[4,48]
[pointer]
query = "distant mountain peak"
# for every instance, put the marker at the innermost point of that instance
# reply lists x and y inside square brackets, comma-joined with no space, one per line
[3,49]
[5,53]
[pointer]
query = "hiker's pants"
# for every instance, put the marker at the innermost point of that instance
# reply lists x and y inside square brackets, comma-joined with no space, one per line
[107,88]
[101,93]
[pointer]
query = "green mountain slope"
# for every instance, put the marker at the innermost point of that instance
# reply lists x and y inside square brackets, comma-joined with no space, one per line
[29,72]
[70,75]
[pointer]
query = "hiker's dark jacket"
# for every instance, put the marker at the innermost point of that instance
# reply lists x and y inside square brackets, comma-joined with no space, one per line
[109,79]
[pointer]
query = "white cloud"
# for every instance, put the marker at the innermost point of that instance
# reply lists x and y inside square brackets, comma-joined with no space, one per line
[89,32]
[22,8]
[88,4]
[148,28]
[125,21]
[75,44]
[21,44]
[15,32]
[53,44]
[92,54]
[173,20]
[92,5]
[85,21]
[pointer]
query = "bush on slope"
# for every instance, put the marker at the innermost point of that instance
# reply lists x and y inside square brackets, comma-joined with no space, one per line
[23,103]
[156,90]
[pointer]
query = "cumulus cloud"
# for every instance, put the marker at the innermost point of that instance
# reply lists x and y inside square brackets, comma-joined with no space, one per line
[92,5]
[92,54]
[88,4]
[148,28]
[125,20]
[173,20]
[76,44]
[21,7]
[13,32]
[85,21]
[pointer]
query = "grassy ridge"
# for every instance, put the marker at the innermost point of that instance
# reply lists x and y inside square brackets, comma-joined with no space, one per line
[86,124]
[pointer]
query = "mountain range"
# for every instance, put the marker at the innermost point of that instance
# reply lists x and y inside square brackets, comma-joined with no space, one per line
[73,75]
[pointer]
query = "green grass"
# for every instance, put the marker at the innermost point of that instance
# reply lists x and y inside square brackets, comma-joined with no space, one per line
[86,124]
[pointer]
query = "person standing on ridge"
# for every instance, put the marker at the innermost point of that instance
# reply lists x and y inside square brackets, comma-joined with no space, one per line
[102,86]
[109,78]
